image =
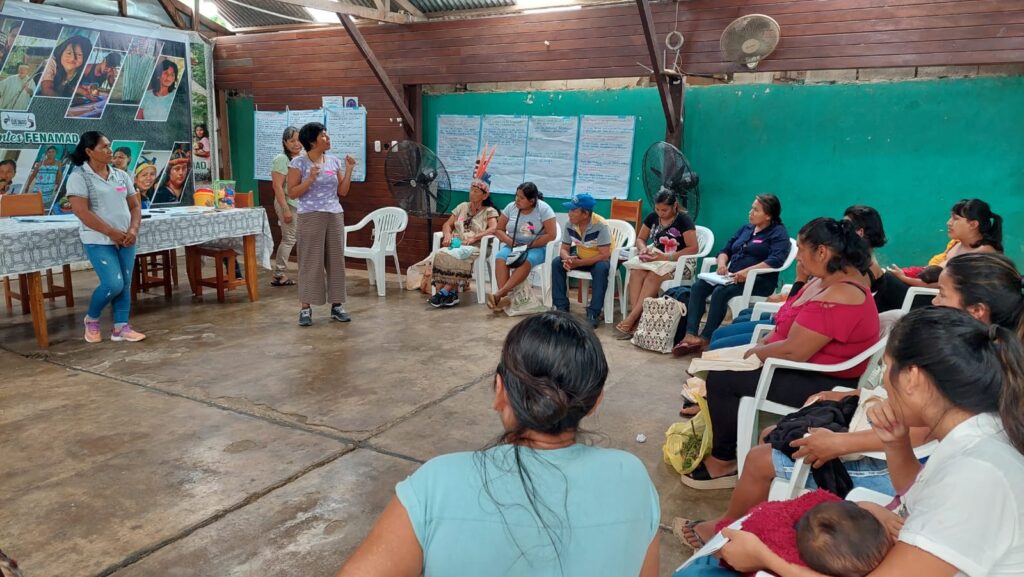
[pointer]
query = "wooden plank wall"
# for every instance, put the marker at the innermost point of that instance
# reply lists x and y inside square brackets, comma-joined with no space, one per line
[296,68]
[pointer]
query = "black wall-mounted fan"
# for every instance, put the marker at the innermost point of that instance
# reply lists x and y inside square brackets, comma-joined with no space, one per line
[666,169]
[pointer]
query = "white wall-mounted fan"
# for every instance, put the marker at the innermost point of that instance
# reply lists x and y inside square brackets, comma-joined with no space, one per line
[750,39]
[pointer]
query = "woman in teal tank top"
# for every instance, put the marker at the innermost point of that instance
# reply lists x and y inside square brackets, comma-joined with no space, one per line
[537,502]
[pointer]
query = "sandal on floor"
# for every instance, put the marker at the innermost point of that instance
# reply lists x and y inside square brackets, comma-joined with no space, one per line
[282,281]
[621,335]
[701,479]
[686,531]
[684,348]
[689,410]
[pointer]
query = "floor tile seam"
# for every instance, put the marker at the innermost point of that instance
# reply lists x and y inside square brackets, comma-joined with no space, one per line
[383,428]
[318,430]
[250,499]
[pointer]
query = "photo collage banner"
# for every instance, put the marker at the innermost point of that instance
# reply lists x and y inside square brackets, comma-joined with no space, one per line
[64,73]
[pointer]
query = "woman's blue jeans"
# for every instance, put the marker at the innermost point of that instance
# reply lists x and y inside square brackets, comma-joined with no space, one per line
[735,334]
[113,265]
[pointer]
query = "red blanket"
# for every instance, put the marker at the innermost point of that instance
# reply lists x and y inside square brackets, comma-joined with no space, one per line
[774,522]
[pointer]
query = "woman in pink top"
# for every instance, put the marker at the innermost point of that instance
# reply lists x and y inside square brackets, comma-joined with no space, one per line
[832,319]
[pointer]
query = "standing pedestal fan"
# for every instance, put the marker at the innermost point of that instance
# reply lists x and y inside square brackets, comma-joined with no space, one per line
[666,169]
[418,181]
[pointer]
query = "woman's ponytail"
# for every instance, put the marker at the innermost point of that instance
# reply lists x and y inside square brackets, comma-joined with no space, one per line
[1011,399]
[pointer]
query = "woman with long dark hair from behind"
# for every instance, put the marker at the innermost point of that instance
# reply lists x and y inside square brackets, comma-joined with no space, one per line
[537,502]
[963,509]
[104,200]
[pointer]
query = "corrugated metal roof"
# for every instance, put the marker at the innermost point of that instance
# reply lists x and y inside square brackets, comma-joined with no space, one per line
[428,6]
[258,13]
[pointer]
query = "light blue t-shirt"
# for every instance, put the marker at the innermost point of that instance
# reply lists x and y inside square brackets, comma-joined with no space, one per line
[606,495]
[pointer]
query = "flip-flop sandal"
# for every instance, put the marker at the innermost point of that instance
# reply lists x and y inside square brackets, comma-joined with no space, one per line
[621,335]
[683,348]
[690,409]
[685,530]
[282,281]
[701,479]
[491,303]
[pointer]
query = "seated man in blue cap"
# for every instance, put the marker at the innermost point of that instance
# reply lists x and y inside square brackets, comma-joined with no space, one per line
[586,246]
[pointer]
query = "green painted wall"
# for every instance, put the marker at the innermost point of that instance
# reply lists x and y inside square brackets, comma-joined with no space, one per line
[910,149]
[243,135]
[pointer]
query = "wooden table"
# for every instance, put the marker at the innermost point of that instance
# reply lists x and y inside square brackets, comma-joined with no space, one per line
[31,246]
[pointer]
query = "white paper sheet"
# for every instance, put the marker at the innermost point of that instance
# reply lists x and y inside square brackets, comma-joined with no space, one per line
[605,156]
[299,118]
[551,154]
[347,127]
[458,144]
[508,166]
[270,126]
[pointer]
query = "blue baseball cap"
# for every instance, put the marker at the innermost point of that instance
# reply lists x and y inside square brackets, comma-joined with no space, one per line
[584,201]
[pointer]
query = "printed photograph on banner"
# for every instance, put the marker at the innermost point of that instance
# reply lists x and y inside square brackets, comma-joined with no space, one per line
[9,29]
[98,79]
[49,168]
[163,85]
[126,154]
[115,41]
[197,60]
[146,173]
[67,62]
[9,183]
[136,71]
[201,154]
[24,65]
[175,183]
[351,102]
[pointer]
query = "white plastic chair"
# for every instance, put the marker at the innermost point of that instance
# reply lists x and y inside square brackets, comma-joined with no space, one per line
[751,407]
[914,292]
[543,270]
[480,274]
[738,303]
[705,242]
[623,236]
[387,223]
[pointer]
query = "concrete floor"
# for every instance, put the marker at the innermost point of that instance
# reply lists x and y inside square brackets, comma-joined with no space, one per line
[234,443]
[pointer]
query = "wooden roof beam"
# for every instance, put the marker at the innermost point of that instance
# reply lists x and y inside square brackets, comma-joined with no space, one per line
[397,99]
[122,8]
[672,122]
[344,8]
[172,12]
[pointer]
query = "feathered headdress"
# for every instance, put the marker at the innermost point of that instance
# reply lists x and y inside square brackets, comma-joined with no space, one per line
[482,178]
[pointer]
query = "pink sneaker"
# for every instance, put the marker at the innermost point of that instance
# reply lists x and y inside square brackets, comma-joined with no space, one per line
[127,333]
[92,331]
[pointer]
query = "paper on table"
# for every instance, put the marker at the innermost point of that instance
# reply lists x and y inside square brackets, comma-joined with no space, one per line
[716,279]
[713,545]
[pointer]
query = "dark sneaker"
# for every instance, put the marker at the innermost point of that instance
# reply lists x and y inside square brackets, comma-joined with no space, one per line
[305,317]
[451,300]
[437,300]
[594,320]
[338,313]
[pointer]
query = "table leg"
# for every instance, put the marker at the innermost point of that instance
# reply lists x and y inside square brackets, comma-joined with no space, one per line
[35,298]
[249,243]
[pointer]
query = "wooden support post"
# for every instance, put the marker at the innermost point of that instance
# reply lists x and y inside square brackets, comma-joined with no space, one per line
[378,71]
[122,8]
[414,98]
[671,114]
[196,16]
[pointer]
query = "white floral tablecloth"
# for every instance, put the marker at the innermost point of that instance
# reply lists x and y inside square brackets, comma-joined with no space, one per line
[37,246]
